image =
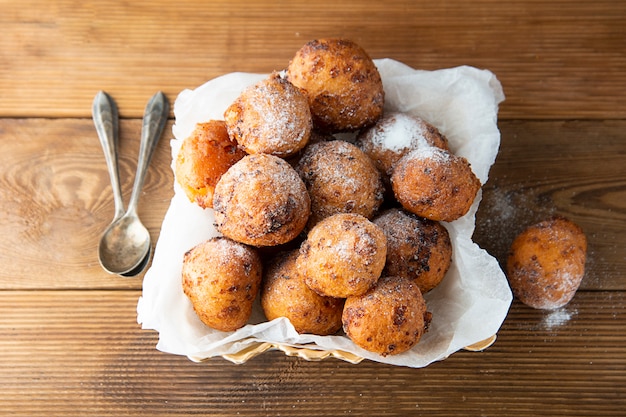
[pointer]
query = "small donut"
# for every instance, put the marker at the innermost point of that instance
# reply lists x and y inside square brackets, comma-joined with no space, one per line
[388,319]
[342,255]
[221,278]
[203,158]
[546,263]
[271,117]
[418,249]
[261,201]
[395,135]
[284,294]
[343,85]
[340,178]
[434,183]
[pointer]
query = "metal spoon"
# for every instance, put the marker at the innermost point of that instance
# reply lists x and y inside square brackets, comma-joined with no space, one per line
[105,117]
[126,243]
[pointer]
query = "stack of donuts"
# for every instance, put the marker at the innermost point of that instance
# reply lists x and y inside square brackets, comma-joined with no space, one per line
[335,232]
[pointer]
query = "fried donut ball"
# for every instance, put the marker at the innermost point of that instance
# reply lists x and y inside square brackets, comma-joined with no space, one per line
[284,294]
[546,263]
[221,278]
[418,249]
[395,135]
[435,184]
[203,158]
[343,85]
[340,178]
[343,255]
[389,319]
[261,201]
[271,117]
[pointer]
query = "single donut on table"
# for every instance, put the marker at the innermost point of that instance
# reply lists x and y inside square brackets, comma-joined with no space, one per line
[434,183]
[343,85]
[284,294]
[342,255]
[546,263]
[203,158]
[418,249]
[340,178]
[261,201]
[388,319]
[221,278]
[272,117]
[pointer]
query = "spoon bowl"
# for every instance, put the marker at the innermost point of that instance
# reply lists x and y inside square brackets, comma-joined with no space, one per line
[125,246]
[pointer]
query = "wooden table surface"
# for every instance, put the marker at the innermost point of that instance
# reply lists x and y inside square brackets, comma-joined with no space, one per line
[70,342]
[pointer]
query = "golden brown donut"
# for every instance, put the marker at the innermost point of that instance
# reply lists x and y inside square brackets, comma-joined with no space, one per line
[271,117]
[389,319]
[284,294]
[342,83]
[395,135]
[418,249]
[221,278]
[203,158]
[340,178]
[435,184]
[261,201]
[546,263]
[343,255]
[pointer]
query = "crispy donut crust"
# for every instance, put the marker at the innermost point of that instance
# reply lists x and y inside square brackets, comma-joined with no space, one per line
[284,294]
[272,116]
[344,88]
[389,319]
[418,249]
[435,184]
[221,278]
[203,158]
[546,263]
[261,201]
[343,255]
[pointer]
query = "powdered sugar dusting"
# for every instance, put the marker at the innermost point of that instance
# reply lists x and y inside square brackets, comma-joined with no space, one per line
[433,153]
[400,132]
[277,105]
[557,318]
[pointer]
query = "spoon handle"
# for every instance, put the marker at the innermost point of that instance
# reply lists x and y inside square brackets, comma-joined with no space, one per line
[154,119]
[106,119]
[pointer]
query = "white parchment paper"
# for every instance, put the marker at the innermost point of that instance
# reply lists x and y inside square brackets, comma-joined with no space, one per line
[468,306]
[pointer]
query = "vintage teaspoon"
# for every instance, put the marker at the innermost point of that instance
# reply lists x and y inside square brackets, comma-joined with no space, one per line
[126,245]
[106,120]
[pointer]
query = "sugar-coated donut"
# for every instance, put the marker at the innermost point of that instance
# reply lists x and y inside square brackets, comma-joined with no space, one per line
[546,263]
[261,201]
[221,277]
[395,135]
[340,178]
[342,255]
[284,294]
[272,116]
[388,319]
[434,183]
[417,248]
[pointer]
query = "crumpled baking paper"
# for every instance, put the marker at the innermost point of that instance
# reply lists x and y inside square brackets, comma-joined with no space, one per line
[467,307]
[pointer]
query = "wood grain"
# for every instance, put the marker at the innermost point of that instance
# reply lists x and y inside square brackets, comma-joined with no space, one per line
[78,353]
[559,59]
[68,334]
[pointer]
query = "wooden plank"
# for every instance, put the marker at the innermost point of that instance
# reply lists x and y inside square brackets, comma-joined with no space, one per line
[558,59]
[55,197]
[77,353]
